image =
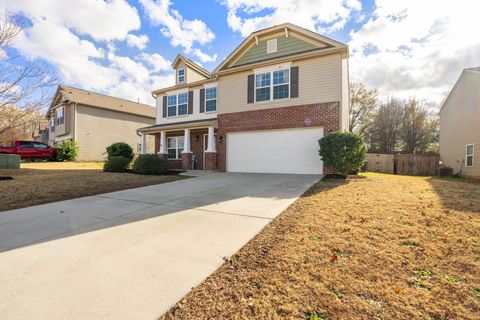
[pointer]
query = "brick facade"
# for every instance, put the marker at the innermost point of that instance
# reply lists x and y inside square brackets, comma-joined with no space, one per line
[326,115]
[210,161]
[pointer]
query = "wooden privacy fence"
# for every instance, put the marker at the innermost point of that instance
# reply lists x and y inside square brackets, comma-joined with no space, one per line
[405,164]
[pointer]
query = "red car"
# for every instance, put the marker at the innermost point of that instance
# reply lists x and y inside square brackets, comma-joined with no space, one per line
[30,150]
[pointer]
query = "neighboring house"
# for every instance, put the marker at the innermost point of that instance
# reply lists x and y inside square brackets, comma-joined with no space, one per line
[263,109]
[460,125]
[95,121]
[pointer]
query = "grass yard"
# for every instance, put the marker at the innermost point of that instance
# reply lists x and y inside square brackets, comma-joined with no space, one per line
[44,182]
[381,247]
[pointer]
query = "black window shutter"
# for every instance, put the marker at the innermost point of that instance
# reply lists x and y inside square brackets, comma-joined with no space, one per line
[202,100]
[251,88]
[164,106]
[294,82]
[190,102]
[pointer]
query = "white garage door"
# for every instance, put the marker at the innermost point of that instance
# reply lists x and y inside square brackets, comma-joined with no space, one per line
[275,151]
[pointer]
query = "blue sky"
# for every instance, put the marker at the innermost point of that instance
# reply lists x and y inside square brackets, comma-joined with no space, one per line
[124,48]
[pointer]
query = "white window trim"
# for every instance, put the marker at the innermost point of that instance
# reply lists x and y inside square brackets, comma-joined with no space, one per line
[184,75]
[271,71]
[216,99]
[176,105]
[472,155]
[177,155]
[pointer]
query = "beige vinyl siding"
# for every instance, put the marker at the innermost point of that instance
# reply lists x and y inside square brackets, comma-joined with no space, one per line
[320,80]
[98,128]
[285,46]
[460,124]
[190,74]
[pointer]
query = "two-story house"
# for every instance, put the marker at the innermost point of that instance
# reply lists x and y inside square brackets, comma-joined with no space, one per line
[460,125]
[263,109]
[95,121]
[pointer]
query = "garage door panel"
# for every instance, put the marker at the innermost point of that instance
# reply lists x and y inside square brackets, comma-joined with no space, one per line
[275,151]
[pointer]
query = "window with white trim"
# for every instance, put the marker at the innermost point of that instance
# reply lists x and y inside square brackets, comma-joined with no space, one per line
[210,99]
[59,116]
[177,104]
[181,75]
[470,155]
[272,85]
[175,147]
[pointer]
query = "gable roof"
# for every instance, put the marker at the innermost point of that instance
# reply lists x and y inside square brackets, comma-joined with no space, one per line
[320,44]
[101,101]
[444,102]
[191,64]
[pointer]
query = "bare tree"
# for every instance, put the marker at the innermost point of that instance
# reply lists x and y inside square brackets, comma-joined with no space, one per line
[25,86]
[384,132]
[362,105]
[419,127]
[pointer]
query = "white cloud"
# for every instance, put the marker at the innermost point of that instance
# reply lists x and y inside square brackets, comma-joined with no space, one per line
[139,42]
[203,56]
[156,61]
[58,32]
[102,20]
[182,32]
[322,15]
[416,48]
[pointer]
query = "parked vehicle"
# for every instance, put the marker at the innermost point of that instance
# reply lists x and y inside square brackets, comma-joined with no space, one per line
[30,150]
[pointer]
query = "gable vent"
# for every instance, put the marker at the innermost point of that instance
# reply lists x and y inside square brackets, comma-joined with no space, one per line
[272,46]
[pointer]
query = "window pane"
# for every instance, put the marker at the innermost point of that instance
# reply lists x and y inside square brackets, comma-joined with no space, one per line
[172,153]
[211,105]
[180,142]
[280,76]
[263,79]
[39,146]
[211,93]
[182,98]
[172,100]
[171,143]
[469,161]
[280,92]
[26,144]
[263,94]
[182,109]
[181,72]
[470,150]
[172,111]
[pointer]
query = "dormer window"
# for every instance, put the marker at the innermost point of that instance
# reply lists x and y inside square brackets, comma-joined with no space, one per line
[181,75]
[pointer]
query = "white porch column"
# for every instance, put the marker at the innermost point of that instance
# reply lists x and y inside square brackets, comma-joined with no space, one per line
[211,140]
[186,142]
[143,144]
[163,141]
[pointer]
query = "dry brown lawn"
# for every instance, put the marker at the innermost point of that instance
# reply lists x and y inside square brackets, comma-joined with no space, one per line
[382,247]
[44,182]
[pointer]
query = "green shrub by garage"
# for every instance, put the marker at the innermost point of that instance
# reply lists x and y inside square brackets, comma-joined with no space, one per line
[150,164]
[120,149]
[116,164]
[343,151]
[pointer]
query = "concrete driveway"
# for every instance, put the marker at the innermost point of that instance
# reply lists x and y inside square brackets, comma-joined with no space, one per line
[132,254]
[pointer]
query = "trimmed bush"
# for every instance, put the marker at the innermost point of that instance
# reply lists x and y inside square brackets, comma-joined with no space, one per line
[116,164]
[150,164]
[67,150]
[120,149]
[343,151]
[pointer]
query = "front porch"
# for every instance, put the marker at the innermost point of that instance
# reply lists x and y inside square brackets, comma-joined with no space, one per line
[186,146]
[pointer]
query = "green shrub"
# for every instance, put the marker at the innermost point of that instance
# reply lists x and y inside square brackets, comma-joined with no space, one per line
[343,151]
[67,150]
[116,164]
[150,164]
[120,149]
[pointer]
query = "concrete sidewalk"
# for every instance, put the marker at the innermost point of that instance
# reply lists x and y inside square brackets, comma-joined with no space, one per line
[132,254]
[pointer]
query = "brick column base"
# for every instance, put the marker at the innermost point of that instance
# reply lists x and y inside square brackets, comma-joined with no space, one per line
[210,161]
[187,161]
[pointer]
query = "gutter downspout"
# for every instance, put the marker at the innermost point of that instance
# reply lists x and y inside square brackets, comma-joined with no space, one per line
[74,133]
